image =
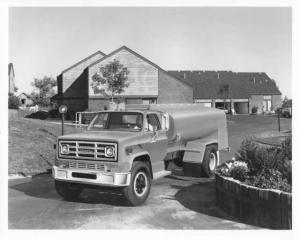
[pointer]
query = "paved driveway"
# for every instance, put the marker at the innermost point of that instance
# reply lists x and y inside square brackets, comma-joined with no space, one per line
[174,203]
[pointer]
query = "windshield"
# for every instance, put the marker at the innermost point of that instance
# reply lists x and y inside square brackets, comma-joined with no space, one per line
[124,121]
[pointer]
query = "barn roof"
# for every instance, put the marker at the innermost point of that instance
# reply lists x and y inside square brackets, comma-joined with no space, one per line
[207,84]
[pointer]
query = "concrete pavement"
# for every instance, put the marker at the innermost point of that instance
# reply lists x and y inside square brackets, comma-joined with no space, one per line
[174,203]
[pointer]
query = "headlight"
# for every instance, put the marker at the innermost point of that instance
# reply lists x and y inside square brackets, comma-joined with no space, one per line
[109,151]
[64,149]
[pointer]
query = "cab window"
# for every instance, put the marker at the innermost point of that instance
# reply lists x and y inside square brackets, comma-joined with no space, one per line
[153,123]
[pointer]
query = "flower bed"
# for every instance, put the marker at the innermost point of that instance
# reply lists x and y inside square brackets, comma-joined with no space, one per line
[256,187]
[262,207]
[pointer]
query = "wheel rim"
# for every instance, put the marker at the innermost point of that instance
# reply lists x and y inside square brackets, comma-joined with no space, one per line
[140,184]
[212,161]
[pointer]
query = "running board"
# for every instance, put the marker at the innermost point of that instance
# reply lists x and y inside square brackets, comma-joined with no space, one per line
[161,174]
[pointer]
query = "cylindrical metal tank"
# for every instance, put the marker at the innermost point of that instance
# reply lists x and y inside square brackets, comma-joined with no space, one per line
[191,121]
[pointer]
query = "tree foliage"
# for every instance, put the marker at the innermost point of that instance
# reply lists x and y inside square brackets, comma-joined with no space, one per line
[13,101]
[111,80]
[44,90]
[224,92]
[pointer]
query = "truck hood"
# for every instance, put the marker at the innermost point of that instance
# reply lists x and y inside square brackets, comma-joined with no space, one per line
[114,136]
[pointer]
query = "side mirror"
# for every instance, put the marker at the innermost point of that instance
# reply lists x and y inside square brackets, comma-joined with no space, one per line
[165,122]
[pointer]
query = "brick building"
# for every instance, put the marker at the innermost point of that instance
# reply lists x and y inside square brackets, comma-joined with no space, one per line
[244,90]
[149,83]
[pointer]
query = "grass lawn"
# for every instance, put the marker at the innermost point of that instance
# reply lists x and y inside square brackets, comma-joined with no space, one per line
[242,126]
[31,141]
[30,144]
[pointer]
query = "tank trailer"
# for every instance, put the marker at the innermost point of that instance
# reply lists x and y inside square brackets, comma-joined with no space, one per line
[128,149]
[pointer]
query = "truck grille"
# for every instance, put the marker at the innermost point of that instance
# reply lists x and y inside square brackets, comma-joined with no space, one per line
[86,165]
[87,150]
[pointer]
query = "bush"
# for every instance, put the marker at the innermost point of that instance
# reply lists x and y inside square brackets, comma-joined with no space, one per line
[54,113]
[42,115]
[254,109]
[270,179]
[260,158]
[13,102]
[259,166]
[239,170]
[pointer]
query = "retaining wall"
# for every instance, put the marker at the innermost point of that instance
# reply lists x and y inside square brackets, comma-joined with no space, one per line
[262,207]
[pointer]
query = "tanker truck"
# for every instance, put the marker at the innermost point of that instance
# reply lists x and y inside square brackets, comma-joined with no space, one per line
[128,149]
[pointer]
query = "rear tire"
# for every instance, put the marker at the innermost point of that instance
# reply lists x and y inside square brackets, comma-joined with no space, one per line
[140,184]
[69,191]
[210,160]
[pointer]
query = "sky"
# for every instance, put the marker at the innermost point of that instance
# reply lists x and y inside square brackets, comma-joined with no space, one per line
[47,40]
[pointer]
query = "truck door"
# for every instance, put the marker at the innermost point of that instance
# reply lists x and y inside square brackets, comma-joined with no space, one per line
[157,146]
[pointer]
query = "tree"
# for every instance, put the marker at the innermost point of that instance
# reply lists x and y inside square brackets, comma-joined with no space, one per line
[44,90]
[112,79]
[13,101]
[224,92]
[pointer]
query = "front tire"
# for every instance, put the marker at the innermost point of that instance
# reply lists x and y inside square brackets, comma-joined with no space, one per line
[69,191]
[210,160]
[140,184]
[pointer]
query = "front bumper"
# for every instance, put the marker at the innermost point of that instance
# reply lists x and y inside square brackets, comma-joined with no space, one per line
[102,178]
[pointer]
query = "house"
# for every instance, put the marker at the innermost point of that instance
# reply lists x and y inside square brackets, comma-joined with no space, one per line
[11,78]
[148,83]
[240,91]
[25,100]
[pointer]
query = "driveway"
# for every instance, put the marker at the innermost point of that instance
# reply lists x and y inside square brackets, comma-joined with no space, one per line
[174,203]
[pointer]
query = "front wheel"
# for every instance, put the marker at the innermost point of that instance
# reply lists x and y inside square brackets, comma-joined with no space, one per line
[69,191]
[210,160]
[140,184]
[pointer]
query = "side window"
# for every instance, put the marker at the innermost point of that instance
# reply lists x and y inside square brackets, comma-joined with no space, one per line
[153,122]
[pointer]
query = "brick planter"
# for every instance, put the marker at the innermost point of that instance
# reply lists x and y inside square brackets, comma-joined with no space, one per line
[262,207]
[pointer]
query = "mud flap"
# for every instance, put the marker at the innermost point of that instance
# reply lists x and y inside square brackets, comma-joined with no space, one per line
[194,156]
[192,160]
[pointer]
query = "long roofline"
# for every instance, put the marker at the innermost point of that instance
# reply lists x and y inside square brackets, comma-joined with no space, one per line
[81,61]
[141,57]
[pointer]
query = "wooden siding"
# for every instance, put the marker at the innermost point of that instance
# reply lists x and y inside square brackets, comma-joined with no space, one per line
[143,77]
[171,90]
[70,76]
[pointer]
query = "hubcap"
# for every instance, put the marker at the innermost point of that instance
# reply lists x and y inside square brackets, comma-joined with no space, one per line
[212,161]
[140,184]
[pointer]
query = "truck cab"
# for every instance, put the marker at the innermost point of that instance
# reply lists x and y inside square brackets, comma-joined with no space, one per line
[129,148]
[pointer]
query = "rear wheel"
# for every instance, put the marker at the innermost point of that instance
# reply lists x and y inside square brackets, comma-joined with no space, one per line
[140,184]
[210,160]
[68,191]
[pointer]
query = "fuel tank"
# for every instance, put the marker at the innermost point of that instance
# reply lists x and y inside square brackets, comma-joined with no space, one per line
[193,121]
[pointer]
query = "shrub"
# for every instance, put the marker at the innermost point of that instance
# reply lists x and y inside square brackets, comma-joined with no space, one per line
[254,109]
[260,158]
[270,179]
[239,170]
[13,102]
[42,115]
[54,113]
